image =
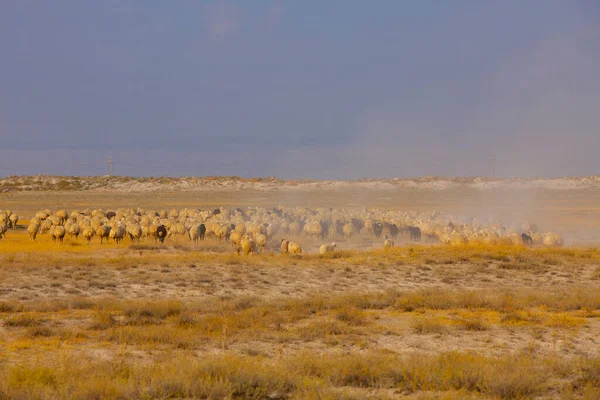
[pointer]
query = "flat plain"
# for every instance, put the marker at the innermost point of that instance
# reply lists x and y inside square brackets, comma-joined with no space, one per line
[176,320]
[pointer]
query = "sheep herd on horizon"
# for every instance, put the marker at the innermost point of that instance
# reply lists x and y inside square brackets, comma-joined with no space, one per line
[250,230]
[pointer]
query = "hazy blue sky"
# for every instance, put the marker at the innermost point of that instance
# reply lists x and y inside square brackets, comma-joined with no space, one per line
[300,89]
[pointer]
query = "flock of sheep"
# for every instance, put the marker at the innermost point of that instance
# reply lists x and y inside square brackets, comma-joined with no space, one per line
[250,230]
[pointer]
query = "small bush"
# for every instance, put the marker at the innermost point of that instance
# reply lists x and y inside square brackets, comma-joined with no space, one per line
[475,325]
[102,320]
[428,326]
[23,320]
[39,331]
[6,306]
[352,316]
[146,311]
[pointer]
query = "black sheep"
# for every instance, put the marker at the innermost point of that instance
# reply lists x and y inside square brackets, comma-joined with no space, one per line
[377,228]
[415,233]
[526,239]
[161,233]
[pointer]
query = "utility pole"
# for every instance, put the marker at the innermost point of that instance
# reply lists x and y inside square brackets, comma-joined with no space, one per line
[110,164]
[493,166]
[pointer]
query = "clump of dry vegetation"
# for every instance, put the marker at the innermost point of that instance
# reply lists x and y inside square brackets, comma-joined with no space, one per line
[301,375]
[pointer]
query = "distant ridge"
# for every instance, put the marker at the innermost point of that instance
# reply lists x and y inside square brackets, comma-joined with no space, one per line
[216,183]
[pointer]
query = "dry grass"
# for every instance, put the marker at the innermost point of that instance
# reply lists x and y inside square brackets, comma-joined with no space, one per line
[169,321]
[302,375]
[428,326]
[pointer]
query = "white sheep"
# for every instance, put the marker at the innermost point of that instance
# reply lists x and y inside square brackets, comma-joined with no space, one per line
[88,233]
[388,243]
[117,233]
[103,232]
[13,218]
[294,248]
[74,230]
[247,245]
[261,241]
[58,232]
[134,231]
[62,215]
[327,248]
[235,237]
[33,230]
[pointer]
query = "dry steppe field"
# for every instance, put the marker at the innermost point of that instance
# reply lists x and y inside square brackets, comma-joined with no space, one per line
[149,320]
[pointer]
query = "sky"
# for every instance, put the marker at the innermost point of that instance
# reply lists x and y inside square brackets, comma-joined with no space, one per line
[337,89]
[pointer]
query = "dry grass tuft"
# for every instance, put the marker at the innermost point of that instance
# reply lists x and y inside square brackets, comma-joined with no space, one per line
[22,320]
[102,320]
[428,326]
[143,312]
[352,316]
[474,325]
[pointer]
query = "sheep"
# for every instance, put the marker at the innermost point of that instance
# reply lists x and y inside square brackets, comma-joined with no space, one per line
[13,219]
[294,248]
[415,233]
[368,226]
[161,233]
[75,215]
[33,230]
[526,239]
[58,233]
[235,238]
[314,229]
[388,243]
[54,220]
[272,230]
[178,229]
[134,231]
[377,228]
[358,224]
[117,233]
[240,228]
[222,232]
[551,239]
[152,229]
[41,215]
[103,232]
[349,230]
[62,215]
[247,245]
[261,242]
[390,230]
[284,246]
[327,248]
[3,229]
[294,228]
[88,233]
[73,230]
[233,224]
[197,232]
